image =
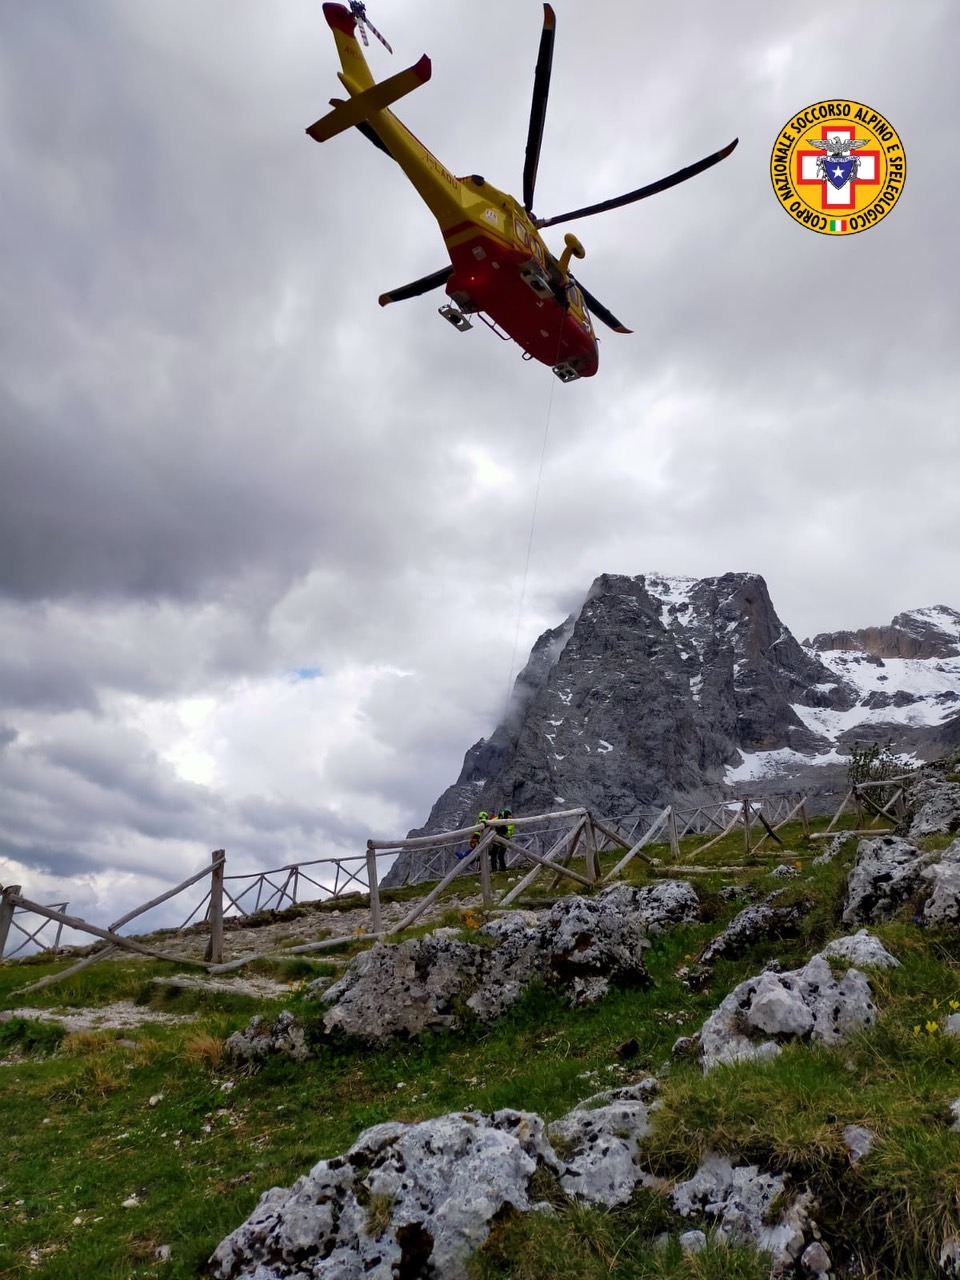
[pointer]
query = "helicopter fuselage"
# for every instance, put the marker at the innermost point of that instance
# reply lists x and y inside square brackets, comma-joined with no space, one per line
[502,269]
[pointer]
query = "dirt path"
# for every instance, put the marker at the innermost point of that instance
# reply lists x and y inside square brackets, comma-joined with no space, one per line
[240,939]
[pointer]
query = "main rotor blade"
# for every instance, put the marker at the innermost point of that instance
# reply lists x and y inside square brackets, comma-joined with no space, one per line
[641,193]
[600,311]
[423,285]
[538,107]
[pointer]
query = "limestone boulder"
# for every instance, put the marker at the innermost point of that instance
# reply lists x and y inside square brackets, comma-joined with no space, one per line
[408,1200]
[943,905]
[599,1142]
[772,1008]
[263,1038]
[582,946]
[886,873]
[402,989]
[862,949]
[738,1199]
[936,807]
[756,923]
[665,905]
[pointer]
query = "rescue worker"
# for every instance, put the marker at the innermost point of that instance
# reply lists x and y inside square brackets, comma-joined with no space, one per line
[482,816]
[499,851]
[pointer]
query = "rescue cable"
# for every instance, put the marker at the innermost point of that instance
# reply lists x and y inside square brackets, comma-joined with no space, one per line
[533,523]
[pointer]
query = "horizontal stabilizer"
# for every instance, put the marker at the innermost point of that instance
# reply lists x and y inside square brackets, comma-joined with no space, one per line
[363,105]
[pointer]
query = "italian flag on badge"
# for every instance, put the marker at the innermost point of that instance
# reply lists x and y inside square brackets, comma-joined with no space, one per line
[838,224]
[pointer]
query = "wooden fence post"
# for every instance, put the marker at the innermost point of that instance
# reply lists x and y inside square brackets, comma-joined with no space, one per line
[590,840]
[214,953]
[6,913]
[374,886]
[674,838]
[746,824]
[486,889]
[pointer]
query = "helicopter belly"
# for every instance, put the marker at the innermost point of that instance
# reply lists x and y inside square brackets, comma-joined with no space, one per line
[488,277]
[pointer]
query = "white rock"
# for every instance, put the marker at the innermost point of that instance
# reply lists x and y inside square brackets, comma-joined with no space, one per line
[937,807]
[886,873]
[777,1010]
[739,1197]
[950,1257]
[440,1184]
[693,1241]
[835,1009]
[861,949]
[943,905]
[601,1145]
[815,1259]
[859,1141]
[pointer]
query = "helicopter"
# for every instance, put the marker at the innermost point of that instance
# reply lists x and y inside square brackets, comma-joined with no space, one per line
[500,268]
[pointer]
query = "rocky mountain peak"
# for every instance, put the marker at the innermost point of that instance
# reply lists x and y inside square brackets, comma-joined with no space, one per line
[919,633]
[667,689]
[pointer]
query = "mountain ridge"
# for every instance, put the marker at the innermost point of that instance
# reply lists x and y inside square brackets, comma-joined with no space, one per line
[663,688]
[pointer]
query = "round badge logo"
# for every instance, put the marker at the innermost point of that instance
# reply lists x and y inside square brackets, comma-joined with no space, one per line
[838,167]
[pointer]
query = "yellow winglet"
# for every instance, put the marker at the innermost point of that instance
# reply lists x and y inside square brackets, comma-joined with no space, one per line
[363,105]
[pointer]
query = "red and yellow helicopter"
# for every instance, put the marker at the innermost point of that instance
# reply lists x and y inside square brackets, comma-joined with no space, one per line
[500,269]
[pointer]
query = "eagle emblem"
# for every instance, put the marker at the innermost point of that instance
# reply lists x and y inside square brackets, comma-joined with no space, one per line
[837,167]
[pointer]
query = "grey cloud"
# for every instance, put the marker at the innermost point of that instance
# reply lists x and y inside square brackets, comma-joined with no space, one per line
[220,461]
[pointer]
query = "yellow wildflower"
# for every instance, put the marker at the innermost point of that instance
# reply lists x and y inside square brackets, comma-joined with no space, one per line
[955,1004]
[932,1027]
[936,1003]
[916,1030]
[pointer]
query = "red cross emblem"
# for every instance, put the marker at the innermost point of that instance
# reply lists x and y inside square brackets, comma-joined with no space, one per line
[809,171]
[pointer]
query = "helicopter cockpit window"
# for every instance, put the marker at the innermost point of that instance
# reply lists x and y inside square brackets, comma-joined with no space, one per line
[521,232]
[575,298]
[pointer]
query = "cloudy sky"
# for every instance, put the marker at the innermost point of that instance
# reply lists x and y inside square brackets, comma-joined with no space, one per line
[266,565]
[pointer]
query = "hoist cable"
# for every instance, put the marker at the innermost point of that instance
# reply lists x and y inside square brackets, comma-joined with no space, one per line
[533,525]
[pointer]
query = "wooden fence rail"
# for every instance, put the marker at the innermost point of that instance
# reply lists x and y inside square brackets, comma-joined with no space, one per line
[8,921]
[551,841]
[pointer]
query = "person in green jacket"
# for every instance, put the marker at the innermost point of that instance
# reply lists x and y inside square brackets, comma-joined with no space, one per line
[482,817]
[499,851]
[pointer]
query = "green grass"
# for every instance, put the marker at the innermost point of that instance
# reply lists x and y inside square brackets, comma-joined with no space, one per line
[583,1243]
[90,1120]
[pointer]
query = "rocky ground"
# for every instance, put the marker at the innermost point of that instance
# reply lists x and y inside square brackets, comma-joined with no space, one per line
[241,938]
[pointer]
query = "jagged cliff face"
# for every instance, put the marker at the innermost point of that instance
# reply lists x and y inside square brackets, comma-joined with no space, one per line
[665,688]
[922,633]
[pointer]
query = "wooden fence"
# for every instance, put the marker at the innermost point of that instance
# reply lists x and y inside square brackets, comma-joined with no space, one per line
[555,842]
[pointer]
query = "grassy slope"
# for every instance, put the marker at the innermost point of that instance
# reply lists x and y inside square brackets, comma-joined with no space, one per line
[90,1120]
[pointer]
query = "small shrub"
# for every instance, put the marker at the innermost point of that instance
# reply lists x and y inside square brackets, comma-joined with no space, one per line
[201,1049]
[379,1213]
[29,1036]
[84,1044]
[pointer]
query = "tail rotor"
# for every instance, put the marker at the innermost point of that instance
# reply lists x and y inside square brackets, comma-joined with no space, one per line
[359,11]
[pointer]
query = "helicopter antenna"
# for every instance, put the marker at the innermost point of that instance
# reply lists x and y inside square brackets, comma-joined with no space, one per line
[359,11]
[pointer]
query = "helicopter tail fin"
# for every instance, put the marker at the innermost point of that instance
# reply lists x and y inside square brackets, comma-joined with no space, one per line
[364,103]
[356,75]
